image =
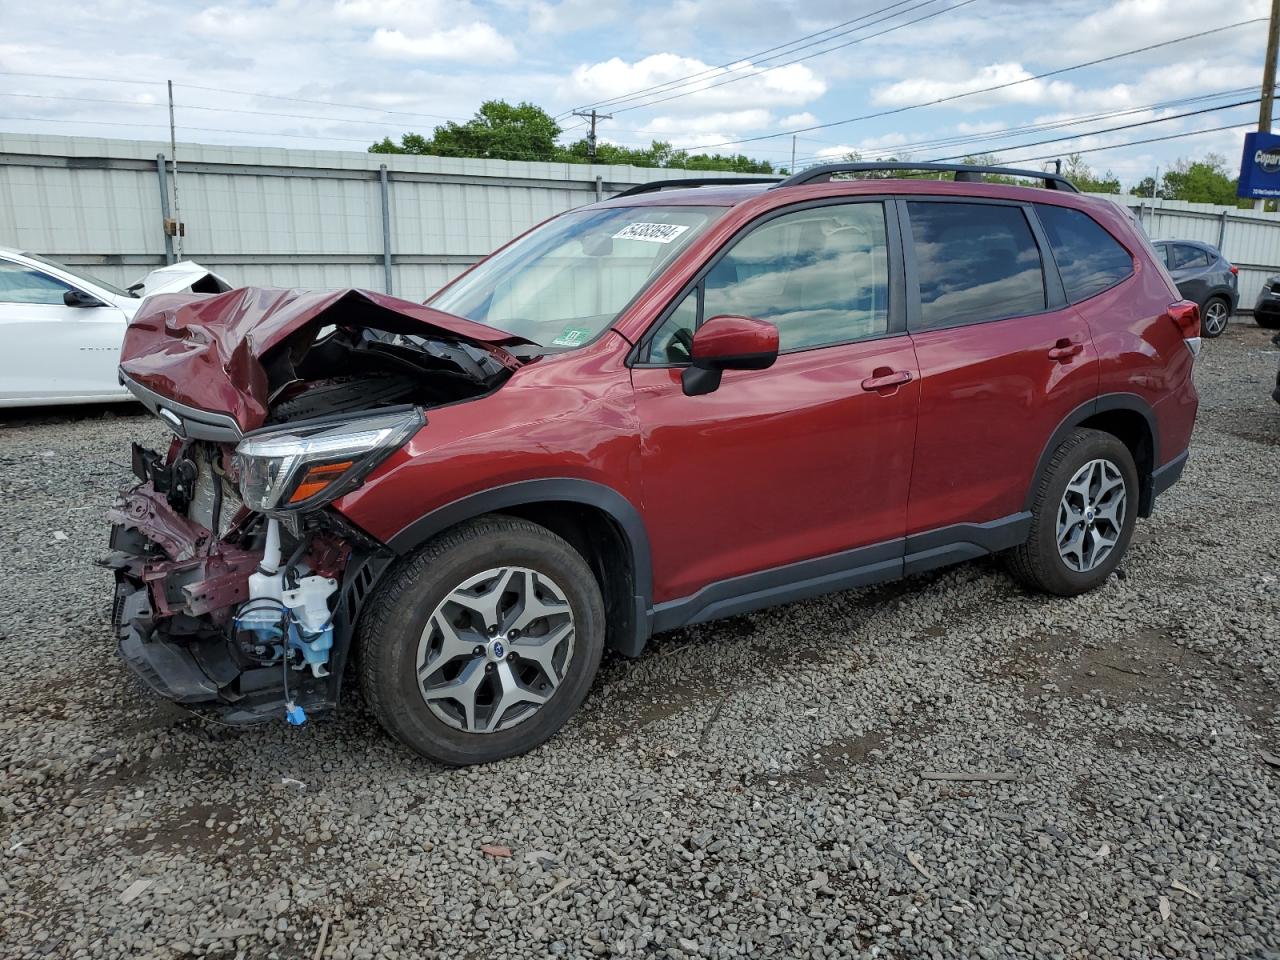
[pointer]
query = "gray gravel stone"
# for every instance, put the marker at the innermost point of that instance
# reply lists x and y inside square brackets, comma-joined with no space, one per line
[1133,720]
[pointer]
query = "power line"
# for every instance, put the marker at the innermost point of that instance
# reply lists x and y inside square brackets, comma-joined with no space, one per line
[1126,126]
[243,93]
[737,63]
[68,76]
[1071,121]
[198,106]
[1137,143]
[322,103]
[998,86]
[809,56]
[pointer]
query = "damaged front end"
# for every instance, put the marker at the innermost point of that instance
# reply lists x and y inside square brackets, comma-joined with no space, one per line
[238,585]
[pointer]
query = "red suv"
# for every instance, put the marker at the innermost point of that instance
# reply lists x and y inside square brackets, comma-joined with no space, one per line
[668,407]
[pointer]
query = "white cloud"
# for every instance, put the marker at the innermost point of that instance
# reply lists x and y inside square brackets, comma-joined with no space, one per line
[405,14]
[472,41]
[1023,90]
[571,16]
[750,86]
[735,121]
[805,119]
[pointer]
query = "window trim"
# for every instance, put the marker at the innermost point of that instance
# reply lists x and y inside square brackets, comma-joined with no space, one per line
[1054,293]
[896,321]
[1133,259]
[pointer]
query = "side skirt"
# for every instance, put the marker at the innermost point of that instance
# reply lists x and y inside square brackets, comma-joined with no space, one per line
[862,567]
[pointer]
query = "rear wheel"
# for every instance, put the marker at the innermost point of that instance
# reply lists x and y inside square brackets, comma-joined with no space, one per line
[1083,516]
[484,643]
[1214,317]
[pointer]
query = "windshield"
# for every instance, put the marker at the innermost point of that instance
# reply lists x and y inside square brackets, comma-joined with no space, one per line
[79,274]
[563,284]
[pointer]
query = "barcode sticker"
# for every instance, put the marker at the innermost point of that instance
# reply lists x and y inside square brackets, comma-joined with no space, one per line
[652,232]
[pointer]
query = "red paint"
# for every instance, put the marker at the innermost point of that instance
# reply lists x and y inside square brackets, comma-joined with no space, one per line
[724,338]
[204,351]
[826,450]
[776,466]
[991,396]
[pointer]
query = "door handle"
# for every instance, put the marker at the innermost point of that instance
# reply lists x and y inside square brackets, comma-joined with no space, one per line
[883,378]
[1064,350]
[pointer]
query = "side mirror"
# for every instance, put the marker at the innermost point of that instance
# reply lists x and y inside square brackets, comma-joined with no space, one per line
[728,343]
[78,298]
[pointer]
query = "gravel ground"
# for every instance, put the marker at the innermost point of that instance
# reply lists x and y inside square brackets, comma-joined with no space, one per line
[747,788]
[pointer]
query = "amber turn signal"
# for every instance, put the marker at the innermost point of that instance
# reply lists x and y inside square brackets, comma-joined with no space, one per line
[317,478]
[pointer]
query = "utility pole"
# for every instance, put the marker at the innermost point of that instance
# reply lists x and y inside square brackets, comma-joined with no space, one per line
[1269,78]
[593,117]
[793,153]
[173,150]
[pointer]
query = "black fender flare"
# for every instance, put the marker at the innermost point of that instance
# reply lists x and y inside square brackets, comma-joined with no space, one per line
[1103,404]
[555,489]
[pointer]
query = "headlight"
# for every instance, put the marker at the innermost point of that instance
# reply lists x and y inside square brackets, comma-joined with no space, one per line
[302,467]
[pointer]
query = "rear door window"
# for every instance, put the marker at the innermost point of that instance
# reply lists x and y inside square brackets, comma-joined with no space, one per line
[975,262]
[1089,259]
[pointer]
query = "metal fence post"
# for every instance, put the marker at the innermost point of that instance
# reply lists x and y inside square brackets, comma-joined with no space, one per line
[164,207]
[386,227]
[599,189]
[1222,230]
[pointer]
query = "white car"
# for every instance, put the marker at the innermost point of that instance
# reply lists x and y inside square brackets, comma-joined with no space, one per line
[61,330]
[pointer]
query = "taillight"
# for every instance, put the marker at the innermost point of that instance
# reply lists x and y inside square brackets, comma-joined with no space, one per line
[1186,317]
[1235,271]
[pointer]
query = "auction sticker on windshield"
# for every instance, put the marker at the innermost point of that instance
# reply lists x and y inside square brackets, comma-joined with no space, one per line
[652,232]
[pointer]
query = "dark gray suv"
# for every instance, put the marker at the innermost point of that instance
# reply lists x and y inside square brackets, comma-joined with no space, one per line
[1205,277]
[1266,312]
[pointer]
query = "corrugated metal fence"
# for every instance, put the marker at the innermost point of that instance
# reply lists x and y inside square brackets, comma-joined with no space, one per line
[290,218]
[314,218]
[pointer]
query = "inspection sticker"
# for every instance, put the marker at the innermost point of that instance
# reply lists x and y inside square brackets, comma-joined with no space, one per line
[572,337]
[652,232]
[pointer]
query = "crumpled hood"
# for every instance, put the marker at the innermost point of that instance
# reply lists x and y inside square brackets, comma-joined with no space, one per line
[206,351]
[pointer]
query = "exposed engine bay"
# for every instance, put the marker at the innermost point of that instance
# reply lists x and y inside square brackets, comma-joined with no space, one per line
[237,586]
[243,618]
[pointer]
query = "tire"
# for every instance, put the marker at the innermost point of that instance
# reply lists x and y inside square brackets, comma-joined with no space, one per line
[1267,321]
[403,631]
[1038,562]
[1214,317]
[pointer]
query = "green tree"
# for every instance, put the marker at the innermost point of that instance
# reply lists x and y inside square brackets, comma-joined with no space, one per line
[1081,174]
[1146,187]
[498,131]
[1201,181]
[501,131]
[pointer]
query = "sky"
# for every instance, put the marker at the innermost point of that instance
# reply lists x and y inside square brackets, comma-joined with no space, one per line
[730,75]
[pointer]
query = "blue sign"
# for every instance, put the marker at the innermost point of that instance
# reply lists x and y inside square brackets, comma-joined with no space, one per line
[1260,166]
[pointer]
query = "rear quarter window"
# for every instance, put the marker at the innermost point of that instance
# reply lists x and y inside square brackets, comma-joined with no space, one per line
[1089,259]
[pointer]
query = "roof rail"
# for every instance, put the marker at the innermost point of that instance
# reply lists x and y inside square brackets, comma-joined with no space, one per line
[655,185]
[965,173]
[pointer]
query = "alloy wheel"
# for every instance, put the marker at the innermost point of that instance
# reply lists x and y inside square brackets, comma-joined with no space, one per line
[495,649]
[1215,318]
[1091,515]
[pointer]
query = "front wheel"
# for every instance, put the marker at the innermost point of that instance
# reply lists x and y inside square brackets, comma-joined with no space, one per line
[1267,321]
[1083,515]
[484,643]
[1214,318]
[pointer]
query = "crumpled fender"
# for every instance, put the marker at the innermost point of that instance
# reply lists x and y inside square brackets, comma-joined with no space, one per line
[206,351]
